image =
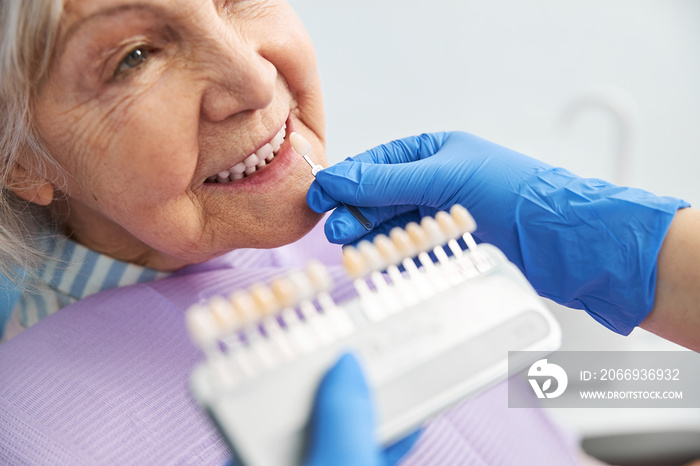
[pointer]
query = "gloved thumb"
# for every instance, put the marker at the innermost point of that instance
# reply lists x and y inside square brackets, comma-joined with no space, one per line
[342,421]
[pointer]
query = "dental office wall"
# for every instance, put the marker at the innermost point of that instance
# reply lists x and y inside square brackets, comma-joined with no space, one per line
[606,89]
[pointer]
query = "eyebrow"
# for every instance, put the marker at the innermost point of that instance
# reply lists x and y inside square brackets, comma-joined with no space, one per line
[98,14]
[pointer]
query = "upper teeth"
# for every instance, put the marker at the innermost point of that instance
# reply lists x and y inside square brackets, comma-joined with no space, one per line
[250,164]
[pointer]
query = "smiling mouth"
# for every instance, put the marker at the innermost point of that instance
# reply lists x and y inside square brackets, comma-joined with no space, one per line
[253,162]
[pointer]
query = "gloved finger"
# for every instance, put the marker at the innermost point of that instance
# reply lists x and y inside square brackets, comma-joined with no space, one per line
[403,150]
[342,421]
[342,228]
[376,185]
[394,452]
[319,200]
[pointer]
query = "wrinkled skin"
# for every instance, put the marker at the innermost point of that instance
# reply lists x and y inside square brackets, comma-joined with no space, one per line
[148,99]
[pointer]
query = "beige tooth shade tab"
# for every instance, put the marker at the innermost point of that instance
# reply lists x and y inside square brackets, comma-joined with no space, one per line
[223,313]
[387,249]
[371,255]
[402,242]
[354,262]
[463,219]
[447,224]
[318,276]
[433,231]
[244,305]
[285,291]
[264,299]
[418,236]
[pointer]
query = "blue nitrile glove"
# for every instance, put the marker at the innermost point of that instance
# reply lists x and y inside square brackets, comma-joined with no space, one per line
[583,243]
[342,422]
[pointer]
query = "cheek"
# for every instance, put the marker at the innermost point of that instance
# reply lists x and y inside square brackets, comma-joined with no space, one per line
[146,141]
[290,49]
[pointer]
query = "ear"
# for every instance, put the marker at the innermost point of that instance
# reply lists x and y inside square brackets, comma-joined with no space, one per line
[30,187]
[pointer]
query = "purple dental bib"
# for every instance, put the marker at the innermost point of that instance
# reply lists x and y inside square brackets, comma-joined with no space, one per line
[105,381]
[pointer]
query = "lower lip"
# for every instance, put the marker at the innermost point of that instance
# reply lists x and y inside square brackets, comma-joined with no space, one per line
[276,170]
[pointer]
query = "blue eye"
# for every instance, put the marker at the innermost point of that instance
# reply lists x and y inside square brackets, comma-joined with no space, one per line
[134,59]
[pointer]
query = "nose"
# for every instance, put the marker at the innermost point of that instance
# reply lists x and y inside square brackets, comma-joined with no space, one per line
[239,79]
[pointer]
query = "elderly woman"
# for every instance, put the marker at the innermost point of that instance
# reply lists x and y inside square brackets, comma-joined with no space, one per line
[141,138]
[149,139]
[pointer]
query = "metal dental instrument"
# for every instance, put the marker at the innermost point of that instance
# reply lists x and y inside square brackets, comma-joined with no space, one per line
[302,147]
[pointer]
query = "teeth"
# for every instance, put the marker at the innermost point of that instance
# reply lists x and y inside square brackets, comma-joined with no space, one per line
[277,141]
[238,168]
[251,161]
[257,159]
[265,151]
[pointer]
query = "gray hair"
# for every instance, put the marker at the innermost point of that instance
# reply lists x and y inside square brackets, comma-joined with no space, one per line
[28,30]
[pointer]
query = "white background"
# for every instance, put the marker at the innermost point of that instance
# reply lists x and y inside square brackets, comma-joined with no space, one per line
[606,89]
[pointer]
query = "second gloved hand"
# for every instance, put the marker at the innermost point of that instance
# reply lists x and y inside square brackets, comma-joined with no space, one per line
[584,243]
[342,422]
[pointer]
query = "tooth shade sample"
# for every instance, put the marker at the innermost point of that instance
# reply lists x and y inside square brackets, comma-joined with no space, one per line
[387,249]
[433,231]
[447,224]
[299,144]
[354,262]
[463,218]
[402,241]
[285,292]
[418,236]
[264,299]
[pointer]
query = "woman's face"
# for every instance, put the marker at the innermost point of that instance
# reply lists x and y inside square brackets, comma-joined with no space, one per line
[148,100]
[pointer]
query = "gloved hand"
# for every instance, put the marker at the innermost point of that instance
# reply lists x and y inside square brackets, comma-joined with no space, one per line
[342,422]
[583,243]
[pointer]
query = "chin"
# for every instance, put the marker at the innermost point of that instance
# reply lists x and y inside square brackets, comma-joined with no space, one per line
[290,231]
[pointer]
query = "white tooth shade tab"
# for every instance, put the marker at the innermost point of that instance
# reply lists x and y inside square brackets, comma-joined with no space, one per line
[300,145]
